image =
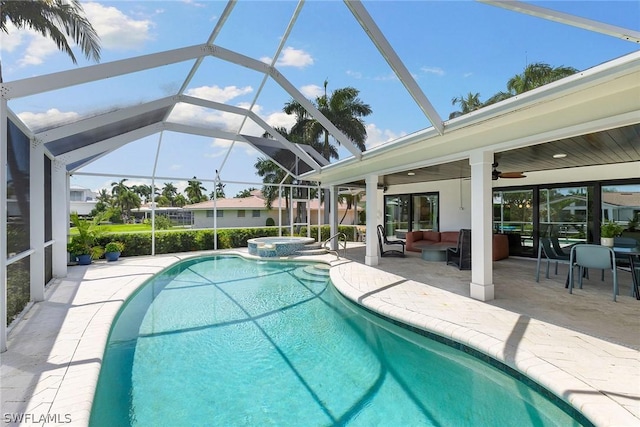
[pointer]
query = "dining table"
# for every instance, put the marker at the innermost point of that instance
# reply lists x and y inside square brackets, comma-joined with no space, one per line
[633,252]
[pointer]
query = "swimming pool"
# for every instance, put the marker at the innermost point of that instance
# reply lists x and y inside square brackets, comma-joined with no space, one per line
[227,341]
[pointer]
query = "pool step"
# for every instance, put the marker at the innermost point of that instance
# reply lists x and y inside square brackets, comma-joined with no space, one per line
[312,273]
[312,249]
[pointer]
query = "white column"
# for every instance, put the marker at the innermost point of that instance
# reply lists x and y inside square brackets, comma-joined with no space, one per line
[372,252]
[3,223]
[36,220]
[333,214]
[59,217]
[481,286]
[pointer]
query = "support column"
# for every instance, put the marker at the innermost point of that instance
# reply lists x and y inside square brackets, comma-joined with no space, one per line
[372,255]
[333,214]
[3,221]
[481,286]
[36,220]
[59,217]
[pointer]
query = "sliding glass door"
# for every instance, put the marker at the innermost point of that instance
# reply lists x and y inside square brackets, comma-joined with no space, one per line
[410,212]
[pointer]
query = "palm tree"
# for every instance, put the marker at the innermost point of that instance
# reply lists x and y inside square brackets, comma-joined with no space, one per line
[467,104]
[103,196]
[245,193]
[124,198]
[536,75]
[271,173]
[194,191]
[54,19]
[169,191]
[343,108]
[144,191]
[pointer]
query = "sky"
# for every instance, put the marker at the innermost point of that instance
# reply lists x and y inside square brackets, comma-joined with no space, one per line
[450,47]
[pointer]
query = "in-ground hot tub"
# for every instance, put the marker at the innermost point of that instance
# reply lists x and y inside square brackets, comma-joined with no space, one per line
[277,246]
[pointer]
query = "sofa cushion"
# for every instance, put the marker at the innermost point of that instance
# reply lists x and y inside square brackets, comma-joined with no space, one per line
[449,237]
[432,236]
[500,247]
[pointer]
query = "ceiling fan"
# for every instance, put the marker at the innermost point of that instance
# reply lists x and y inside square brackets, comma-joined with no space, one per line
[495,173]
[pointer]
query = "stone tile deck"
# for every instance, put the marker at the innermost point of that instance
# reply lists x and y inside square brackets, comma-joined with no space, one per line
[583,347]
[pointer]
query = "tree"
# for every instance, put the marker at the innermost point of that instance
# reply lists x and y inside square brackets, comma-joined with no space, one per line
[536,75]
[245,193]
[218,193]
[124,198]
[271,173]
[144,191]
[54,19]
[194,191]
[169,191]
[467,104]
[179,200]
[343,108]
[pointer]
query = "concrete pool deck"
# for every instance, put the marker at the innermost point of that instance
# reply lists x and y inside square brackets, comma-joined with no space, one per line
[583,347]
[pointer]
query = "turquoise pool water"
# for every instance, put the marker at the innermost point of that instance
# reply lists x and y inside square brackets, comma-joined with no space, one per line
[233,342]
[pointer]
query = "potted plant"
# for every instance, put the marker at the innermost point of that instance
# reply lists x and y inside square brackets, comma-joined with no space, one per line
[113,250]
[83,244]
[609,230]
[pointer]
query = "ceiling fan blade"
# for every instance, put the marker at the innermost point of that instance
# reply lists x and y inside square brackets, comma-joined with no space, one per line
[512,175]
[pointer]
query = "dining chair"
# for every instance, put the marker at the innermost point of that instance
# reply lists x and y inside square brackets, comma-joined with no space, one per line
[545,248]
[592,256]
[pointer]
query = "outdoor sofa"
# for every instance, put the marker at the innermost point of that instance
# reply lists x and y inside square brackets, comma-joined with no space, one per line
[417,240]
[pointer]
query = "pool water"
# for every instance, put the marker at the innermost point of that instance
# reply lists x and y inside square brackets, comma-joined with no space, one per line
[233,342]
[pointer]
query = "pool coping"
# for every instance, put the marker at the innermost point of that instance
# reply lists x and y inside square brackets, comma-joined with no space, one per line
[66,377]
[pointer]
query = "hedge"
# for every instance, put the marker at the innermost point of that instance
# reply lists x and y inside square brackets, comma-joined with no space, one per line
[167,241]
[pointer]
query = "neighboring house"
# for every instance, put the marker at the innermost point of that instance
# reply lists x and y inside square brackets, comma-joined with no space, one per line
[620,206]
[81,200]
[252,212]
[177,215]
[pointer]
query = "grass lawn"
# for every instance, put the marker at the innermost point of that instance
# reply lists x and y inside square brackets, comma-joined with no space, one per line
[119,228]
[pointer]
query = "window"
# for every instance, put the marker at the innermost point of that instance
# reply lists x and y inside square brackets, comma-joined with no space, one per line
[256,213]
[219,215]
[411,212]
[240,213]
[210,214]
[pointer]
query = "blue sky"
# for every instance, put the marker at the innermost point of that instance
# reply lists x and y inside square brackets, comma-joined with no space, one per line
[451,48]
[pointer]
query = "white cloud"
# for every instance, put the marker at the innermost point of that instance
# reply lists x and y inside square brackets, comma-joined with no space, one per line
[175,167]
[218,94]
[281,119]
[312,91]
[291,57]
[117,31]
[465,75]
[390,76]
[376,136]
[50,117]
[14,38]
[354,74]
[433,70]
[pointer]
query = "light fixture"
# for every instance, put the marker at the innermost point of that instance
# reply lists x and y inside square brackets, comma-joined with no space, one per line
[559,156]
[411,173]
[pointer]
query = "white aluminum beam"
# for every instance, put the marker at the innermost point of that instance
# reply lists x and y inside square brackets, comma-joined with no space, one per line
[394,61]
[4,137]
[49,82]
[315,113]
[258,120]
[568,19]
[261,67]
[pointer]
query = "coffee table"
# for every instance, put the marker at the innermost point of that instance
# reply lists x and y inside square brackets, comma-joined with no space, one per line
[436,252]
